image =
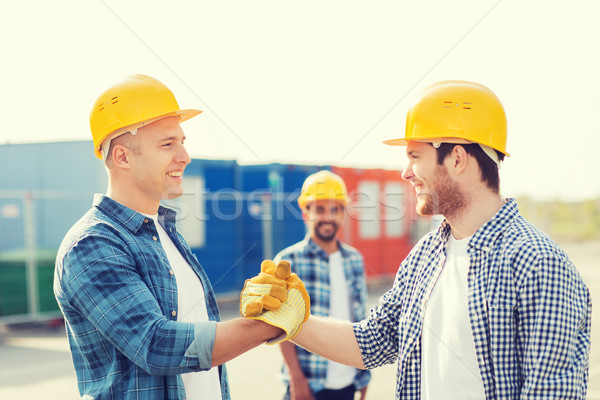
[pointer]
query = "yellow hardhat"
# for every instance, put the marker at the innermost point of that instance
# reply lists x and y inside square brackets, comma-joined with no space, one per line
[456,112]
[323,185]
[130,104]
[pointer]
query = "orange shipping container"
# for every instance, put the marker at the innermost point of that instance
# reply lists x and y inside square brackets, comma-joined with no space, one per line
[381,218]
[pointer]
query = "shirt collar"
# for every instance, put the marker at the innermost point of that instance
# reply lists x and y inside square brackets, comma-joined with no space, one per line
[166,216]
[489,231]
[127,217]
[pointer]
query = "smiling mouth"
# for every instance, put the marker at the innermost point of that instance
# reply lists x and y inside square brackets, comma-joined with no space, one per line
[175,174]
[325,224]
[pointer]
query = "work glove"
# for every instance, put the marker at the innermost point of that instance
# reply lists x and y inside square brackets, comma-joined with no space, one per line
[262,299]
[267,290]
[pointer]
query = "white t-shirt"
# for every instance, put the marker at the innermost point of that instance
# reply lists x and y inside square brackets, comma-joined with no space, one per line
[338,375]
[449,368]
[191,307]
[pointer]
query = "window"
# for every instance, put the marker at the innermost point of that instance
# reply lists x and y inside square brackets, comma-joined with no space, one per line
[367,208]
[394,211]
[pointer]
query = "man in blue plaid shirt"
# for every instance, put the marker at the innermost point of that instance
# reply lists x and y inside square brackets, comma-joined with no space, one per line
[486,306]
[334,276]
[140,313]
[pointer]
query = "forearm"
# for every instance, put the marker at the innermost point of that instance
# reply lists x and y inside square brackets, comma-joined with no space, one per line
[363,393]
[331,339]
[237,336]
[290,357]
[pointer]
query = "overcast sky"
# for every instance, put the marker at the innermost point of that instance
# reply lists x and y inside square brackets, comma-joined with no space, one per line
[317,82]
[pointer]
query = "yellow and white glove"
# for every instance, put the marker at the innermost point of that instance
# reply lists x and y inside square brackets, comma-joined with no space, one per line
[265,291]
[262,299]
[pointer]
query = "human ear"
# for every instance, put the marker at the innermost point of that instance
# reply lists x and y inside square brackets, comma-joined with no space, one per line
[459,156]
[305,214]
[120,156]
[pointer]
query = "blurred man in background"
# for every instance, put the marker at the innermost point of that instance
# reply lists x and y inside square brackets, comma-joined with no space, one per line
[334,277]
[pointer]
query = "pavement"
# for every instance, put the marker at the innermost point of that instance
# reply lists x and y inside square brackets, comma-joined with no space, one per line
[35,361]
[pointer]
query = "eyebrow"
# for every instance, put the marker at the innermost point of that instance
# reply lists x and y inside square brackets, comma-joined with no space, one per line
[170,138]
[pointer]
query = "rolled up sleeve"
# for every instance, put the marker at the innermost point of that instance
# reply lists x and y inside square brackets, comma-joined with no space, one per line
[202,346]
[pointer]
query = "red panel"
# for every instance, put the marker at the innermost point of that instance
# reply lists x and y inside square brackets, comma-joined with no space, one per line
[381,243]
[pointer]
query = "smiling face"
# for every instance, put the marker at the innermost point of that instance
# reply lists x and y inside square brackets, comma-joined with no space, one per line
[161,160]
[152,164]
[323,219]
[437,193]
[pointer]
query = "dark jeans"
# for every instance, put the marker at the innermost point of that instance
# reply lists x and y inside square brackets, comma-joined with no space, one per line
[346,393]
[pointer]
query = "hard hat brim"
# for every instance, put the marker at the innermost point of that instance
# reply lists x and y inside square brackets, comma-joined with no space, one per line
[184,115]
[405,141]
[303,203]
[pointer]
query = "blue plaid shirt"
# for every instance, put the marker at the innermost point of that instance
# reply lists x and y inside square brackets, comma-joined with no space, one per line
[311,263]
[529,308]
[114,286]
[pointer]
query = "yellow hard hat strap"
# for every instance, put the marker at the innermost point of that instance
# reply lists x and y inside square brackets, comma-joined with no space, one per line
[105,146]
[491,153]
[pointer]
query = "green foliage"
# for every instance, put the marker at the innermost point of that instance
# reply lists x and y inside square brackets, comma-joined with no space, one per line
[564,221]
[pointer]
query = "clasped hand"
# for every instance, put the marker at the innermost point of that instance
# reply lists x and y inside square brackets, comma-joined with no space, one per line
[278,297]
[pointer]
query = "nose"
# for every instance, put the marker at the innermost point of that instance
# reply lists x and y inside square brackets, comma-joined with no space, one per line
[183,156]
[329,216]
[407,173]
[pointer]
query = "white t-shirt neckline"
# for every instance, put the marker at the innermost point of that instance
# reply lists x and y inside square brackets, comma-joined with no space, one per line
[338,376]
[449,368]
[191,307]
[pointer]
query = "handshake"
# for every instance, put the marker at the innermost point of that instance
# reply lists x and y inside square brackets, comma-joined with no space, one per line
[277,297]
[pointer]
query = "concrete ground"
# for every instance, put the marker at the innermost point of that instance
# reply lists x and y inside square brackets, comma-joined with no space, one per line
[35,361]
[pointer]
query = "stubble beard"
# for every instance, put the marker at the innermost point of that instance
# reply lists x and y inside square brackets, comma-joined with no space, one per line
[444,198]
[326,238]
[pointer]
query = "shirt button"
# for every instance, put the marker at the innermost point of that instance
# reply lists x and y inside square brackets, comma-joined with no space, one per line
[171,272]
[174,313]
[154,238]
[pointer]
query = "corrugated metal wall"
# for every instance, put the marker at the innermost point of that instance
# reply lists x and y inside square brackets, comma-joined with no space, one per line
[210,220]
[380,217]
[271,218]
